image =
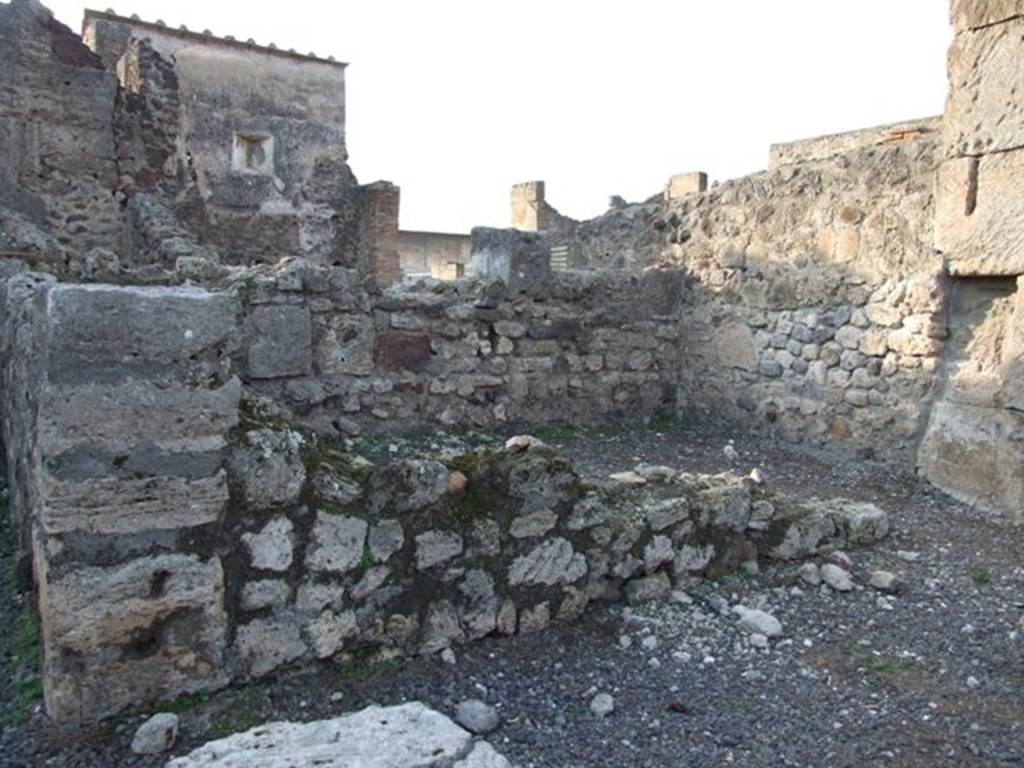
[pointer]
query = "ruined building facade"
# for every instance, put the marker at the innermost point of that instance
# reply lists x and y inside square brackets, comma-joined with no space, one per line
[199,299]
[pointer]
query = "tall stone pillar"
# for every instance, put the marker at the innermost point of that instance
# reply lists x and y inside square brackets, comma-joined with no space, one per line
[974,444]
[528,206]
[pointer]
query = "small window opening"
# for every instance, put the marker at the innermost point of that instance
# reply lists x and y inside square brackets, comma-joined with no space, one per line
[253,153]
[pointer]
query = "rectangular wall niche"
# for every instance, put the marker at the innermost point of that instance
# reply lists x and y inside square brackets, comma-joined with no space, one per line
[252,152]
[974,446]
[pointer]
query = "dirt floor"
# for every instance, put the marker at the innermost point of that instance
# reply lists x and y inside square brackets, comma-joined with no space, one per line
[930,676]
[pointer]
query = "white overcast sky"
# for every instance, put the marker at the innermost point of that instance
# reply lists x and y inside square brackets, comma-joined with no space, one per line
[455,100]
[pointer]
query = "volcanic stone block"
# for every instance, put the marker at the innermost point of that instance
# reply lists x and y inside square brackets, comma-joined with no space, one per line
[521,259]
[152,628]
[120,418]
[345,344]
[972,14]
[985,71]
[338,543]
[974,454]
[113,505]
[979,214]
[265,644]
[267,468]
[109,334]
[280,340]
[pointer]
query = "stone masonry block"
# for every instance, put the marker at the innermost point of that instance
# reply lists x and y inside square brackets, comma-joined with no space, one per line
[403,351]
[152,628]
[986,70]
[122,417]
[280,339]
[115,505]
[528,192]
[108,334]
[979,214]
[974,455]
[521,259]
[972,14]
[682,184]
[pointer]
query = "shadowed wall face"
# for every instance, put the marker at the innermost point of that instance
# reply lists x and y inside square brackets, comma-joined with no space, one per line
[974,447]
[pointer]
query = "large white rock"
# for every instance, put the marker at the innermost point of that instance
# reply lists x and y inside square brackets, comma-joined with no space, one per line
[338,543]
[552,562]
[404,736]
[756,621]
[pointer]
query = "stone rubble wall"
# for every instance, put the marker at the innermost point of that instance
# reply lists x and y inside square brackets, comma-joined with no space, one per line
[814,303]
[824,147]
[184,535]
[57,155]
[818,307]
[580,348]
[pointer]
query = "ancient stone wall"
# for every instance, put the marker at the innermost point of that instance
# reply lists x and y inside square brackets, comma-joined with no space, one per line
[57,158]
[184,535]
[817,307]
[813,301]
[190,507]
[246,141]
[973,446]
[824,147]
[462,353]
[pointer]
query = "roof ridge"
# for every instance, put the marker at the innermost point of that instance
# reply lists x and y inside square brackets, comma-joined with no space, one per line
[207,36]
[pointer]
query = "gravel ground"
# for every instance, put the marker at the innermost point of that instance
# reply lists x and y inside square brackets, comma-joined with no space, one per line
[931,676]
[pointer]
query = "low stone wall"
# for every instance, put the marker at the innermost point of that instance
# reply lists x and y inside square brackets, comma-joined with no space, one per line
[184,536]
[459,354]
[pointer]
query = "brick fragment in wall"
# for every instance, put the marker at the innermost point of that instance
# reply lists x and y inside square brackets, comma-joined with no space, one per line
[401,350]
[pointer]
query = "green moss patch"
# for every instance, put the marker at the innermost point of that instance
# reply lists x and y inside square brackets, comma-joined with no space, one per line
[19,631]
